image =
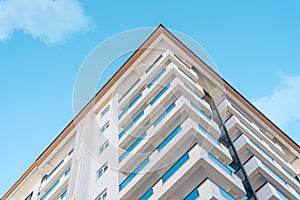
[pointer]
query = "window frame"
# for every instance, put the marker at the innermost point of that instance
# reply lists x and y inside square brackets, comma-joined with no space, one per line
[102,169]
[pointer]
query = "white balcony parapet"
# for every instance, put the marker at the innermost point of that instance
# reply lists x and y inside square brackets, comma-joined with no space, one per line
[182,105]
[244,146]
[53,176]
[234,124]
[154,110]
[155,78]
[163,81]
[226,107]
[56,188]
[255,168]
[269,192]
[154,135]
[198,158]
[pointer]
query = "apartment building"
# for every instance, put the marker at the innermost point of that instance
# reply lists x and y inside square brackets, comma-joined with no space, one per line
[165,126]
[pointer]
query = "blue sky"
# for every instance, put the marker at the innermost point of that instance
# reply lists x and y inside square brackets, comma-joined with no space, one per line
[255,45]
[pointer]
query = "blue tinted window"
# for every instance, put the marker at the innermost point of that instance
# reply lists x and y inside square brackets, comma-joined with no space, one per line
[169,138]
[219,163]
[208,134]
[226,194]
[130,105]
[132,146]
[148,194]
[193,195]
[133,174]
[157,77]
[131,124]
[159,94]
[175,167]
[164,114]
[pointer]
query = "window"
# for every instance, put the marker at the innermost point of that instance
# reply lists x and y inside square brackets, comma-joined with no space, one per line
[228,169]
[159,94]
[139,139]
[193,195]
[102,196]
[164,114]
[226,194]
[103,129]
[208,134]
[64,194]
[157,77]
[129,90]
[50,190]
[67,171]
[105,110]
[147,195]
[134,173]
[103,147]
[175,167]
[156,61]
[102,170]
[169,138]
[130,105]
[131,124]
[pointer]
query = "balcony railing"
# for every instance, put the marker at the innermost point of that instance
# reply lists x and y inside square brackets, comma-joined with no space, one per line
[49,179]
[131,147]
[255,166]
[174,177]
[169,138]
[155,79]
[134,173]
[131,124]
[54,188]
[208,134]
[236,124]
[175,167]
[164,114]
[193,195]
[229,170]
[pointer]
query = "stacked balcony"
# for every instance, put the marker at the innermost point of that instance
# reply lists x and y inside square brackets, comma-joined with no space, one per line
[194,166]
[166,124]
[269,174]
[55,184]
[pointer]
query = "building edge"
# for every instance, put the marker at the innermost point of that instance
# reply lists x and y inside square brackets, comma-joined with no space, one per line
[161,29]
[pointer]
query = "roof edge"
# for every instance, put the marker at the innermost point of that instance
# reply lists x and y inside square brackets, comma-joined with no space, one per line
[160,29]
[62,135]
[235,93]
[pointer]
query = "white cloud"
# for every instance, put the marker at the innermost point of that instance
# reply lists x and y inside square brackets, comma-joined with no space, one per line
[53,21]
[283,105]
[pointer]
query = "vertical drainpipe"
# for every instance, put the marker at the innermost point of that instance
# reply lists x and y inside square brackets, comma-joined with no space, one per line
[225,140]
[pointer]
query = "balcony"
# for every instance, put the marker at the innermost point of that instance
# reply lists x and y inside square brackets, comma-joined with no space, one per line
[268,191]
[150,88]
[63,195]
[235,127]
[246,148]
[154,111]
[258,173]
[57,190]
[159,133]
[162,84]
[164,153]
[156,162]
[154,73]
[208,190]
[193,166]
[56,173]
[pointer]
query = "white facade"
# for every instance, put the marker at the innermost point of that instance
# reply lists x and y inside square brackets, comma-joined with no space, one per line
[165,129]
